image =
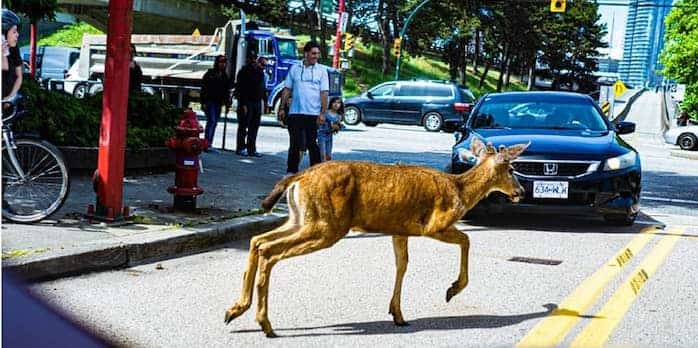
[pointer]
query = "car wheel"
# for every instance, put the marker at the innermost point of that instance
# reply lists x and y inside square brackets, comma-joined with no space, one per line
[352,115]
[688,141]
[432,122]
[80,91]
[620,219]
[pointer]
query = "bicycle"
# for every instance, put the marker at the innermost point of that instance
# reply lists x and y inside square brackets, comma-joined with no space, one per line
[35,181]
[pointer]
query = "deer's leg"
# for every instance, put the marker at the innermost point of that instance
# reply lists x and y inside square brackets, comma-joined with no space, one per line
[243,303]
[401,259]
[454,236]
[310,238]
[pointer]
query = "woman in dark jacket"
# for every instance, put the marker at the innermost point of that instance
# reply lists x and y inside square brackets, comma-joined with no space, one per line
[215,92]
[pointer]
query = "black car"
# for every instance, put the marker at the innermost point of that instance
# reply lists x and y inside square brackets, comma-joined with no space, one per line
[436,105]
[576,162]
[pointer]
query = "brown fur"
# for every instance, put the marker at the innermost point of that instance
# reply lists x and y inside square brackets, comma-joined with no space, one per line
[328,200]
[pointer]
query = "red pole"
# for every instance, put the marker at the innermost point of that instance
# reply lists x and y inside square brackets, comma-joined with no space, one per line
[112,139]
[338,39]
[32,50]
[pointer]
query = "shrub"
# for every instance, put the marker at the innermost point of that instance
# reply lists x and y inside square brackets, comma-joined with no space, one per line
[67,121]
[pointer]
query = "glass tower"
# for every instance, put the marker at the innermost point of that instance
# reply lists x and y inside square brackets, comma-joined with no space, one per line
[644,40]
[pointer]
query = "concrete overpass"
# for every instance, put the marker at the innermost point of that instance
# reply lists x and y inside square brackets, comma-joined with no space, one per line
[152,16]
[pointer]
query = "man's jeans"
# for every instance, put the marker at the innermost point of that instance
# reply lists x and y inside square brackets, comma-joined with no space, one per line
[213,112]
[248,126]
[302,131]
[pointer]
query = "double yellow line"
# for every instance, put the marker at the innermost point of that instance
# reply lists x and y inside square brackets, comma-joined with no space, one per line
[552,330]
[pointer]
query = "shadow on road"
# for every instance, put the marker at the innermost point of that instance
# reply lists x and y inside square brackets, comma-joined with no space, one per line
[421,324]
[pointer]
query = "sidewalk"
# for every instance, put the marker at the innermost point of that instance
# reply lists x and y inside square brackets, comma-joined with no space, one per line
[228,210]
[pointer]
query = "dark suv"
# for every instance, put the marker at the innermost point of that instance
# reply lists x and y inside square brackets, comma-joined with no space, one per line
[436,105]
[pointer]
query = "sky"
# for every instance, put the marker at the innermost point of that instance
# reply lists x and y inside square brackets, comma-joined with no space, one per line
[615,18]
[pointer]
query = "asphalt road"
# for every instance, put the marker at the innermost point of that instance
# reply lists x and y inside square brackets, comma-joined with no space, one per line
[589,283]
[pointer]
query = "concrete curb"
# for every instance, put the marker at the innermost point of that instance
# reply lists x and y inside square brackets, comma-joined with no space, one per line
[101,256]
[693,155]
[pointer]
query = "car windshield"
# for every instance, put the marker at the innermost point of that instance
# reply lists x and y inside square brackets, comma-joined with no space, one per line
[288,48]
[535,113]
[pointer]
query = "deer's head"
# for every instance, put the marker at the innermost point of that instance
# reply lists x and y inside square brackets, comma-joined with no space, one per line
[498,165]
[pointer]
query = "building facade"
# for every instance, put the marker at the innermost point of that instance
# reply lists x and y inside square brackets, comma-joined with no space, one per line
[644,40]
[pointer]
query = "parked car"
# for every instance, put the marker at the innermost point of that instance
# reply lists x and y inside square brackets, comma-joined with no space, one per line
[52,62]
[685,137]
[436,105]
[576,162]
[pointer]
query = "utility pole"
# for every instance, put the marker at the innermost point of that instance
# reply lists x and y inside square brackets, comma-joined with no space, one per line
[341,21]
[112,140]
[402,36]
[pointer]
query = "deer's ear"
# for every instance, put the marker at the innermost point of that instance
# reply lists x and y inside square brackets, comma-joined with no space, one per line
[477,147]
[514,151]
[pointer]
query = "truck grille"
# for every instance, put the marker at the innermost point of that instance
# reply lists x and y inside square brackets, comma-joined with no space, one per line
[563,168]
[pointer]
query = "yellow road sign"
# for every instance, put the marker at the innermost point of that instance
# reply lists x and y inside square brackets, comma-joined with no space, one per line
[619,88]
[196,32]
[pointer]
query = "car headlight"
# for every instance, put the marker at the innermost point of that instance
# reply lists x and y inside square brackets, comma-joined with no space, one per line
[466,156]
[621,162]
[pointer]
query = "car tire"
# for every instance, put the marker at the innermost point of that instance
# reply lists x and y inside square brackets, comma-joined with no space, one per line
[433,121]
[80,91]
[620,219]
[687,141]
[352,115]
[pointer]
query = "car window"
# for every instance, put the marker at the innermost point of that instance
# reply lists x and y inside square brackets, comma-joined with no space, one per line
[467,95]
[383,90]
[73,57]
[438,91]
[411,90]
[545,114]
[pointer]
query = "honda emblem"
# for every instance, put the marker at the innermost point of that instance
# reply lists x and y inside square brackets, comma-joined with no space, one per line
[550,169]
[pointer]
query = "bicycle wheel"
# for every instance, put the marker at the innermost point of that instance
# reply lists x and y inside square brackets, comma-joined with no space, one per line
[45,186]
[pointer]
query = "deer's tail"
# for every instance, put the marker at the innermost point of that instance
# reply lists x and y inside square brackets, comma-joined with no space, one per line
[279,189]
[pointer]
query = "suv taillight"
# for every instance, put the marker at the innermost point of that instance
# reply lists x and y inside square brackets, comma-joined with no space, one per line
[465,107]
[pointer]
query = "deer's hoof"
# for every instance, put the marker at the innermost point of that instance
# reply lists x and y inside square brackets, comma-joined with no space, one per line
[401,323]
[231,314]
[271,334]
[450,293]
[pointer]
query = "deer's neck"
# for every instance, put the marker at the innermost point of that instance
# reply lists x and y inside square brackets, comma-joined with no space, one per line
[474,185]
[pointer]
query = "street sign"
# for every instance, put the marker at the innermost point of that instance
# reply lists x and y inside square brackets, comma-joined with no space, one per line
[678,92]
[557,6]
[619,88]
[343,21]
[327,6]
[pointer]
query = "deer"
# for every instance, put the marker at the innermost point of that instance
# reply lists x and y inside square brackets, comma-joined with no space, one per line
[328,200]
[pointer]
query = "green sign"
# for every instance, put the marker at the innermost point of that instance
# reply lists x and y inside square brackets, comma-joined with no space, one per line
[328,6]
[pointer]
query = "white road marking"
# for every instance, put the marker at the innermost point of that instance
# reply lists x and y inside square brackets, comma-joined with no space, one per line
[672,200]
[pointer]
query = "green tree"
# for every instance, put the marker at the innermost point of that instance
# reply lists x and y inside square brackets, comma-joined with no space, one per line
[34,10]
[680,53]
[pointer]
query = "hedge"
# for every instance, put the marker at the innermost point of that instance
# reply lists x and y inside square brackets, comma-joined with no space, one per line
[66,121]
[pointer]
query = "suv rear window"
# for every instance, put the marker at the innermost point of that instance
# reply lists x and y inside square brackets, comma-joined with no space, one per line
[439,91]
[410,90]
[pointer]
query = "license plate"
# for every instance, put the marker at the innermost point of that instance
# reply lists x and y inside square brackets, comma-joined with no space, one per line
[550,189]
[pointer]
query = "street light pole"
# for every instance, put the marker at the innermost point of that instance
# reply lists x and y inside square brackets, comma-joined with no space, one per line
[402,35]
[338,35]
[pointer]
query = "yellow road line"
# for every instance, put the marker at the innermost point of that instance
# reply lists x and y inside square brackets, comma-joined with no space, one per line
[553,329]
[596,333]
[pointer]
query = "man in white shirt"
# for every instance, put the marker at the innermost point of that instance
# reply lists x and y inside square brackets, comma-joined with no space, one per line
[308,86]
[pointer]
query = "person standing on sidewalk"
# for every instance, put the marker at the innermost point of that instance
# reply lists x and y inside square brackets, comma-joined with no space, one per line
[135,75]
[11,60]
[332,125]
[308,85]
[215,92]
[249,92]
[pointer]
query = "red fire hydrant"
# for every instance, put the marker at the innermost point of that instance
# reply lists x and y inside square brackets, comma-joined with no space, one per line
[187,146]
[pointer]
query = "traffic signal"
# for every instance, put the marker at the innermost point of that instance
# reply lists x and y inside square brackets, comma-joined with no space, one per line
[396,46]
[558,6]
[348,42]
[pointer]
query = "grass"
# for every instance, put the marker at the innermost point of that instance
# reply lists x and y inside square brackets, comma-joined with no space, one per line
[69,36]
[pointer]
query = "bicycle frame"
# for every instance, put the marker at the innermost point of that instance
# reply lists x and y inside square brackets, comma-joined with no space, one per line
[8,140]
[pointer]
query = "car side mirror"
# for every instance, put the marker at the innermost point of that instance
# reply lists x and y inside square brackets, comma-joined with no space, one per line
[624,127]
[369,95]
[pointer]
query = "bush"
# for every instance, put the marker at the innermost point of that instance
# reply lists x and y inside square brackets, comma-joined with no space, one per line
[67,121]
